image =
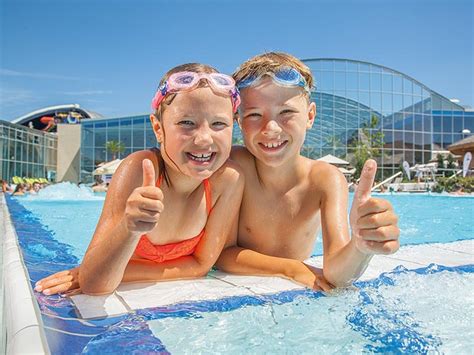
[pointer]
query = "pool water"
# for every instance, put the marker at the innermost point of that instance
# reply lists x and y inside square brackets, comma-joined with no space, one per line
[422,218]
[428,310]
[382,316]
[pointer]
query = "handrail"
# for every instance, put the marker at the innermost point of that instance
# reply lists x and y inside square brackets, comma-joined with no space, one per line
[386,180]
[455,174]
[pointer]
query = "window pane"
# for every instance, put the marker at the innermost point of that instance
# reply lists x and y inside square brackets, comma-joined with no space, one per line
[408,121]
[364,81]
[387,82]
[375,82]
[447,124]
[457,123]
[340,81]
[326,82]
[407,86]
[397,84]
[351,81]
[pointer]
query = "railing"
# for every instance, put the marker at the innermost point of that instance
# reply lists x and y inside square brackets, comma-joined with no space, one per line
[386,180]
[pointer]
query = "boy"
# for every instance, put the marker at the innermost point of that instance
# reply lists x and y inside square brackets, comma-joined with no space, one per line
[287,197]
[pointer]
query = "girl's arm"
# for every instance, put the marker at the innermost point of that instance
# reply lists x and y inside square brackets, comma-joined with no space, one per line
[114,240]
[221,225]
[99,277]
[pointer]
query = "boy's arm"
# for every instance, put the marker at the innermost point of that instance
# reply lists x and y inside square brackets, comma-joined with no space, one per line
[237,260]
[373,227]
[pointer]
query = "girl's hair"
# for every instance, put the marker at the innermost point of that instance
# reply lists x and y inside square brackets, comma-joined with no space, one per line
[193,67]
[271,62]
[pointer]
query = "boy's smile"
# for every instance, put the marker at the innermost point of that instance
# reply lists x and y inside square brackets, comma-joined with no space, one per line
[274,120]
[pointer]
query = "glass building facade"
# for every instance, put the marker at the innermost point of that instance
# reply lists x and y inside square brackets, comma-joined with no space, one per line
[134,132]
[355,101]
[27,152]
[413,120]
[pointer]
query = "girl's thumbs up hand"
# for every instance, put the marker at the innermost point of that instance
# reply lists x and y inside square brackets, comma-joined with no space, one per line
[145,204]
[373,221]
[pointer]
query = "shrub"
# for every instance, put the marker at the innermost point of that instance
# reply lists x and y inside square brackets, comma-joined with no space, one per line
[452,184]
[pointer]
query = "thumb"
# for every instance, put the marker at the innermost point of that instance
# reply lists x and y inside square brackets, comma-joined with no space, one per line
[148,173]
[366,182]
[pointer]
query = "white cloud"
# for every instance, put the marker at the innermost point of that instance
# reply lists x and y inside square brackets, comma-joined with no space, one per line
[14,97]
[8,72]
[90,92]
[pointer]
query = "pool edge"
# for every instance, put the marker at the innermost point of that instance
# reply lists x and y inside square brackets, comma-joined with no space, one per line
[22,328]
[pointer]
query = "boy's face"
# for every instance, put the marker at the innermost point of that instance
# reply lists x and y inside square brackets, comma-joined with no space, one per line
[274,120]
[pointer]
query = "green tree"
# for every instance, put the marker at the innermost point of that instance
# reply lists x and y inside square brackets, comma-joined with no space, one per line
[440,161]
[450,165]
[237,141]
[115,147]
[368,144]
[333,142]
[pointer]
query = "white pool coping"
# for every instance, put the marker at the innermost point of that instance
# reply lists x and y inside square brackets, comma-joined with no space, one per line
[22,318]
[219,285]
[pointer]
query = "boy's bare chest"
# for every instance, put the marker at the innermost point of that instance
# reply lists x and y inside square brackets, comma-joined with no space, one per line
[283,226]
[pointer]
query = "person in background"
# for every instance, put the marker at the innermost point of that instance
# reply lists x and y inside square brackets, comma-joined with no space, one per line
[6,188]
[20,190]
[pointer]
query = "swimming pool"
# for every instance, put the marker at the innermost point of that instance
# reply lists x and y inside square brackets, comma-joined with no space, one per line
[383,315]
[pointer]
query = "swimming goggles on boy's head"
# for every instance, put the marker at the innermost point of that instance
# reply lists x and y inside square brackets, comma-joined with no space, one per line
[187,81]
[285,76]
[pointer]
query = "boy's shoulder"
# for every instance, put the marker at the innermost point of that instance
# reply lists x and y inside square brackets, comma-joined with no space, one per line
[325,176]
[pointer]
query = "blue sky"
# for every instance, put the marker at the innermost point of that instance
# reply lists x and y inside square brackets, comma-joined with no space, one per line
[108,56]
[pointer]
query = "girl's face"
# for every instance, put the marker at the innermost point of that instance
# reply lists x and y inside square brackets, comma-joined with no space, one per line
[195,132]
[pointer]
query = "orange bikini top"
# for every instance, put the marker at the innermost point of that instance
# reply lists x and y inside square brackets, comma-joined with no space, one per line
[160,253]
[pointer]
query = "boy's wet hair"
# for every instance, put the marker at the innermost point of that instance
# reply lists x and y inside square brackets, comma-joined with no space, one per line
[271,62]
[193,67]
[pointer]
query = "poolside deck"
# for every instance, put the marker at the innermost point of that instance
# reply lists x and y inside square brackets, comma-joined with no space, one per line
[217,285]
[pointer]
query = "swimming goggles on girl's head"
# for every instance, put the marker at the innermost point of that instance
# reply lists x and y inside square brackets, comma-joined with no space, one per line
[187,81]
[285,76]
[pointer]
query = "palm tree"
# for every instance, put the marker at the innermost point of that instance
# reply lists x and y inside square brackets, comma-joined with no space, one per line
[115,147]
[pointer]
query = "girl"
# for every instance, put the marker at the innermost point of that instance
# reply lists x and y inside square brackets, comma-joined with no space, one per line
[168,212]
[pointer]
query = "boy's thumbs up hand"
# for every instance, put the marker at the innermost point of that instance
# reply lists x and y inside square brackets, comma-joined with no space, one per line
[145,204]
[373,221]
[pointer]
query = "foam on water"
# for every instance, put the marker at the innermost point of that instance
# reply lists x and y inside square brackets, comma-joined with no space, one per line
[390,317]
[64,191]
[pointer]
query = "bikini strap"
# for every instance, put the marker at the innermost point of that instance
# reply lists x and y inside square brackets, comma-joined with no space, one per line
[159,180]
[207,191]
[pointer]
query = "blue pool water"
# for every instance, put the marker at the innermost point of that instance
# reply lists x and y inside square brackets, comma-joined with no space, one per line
[422,218]
[393,313]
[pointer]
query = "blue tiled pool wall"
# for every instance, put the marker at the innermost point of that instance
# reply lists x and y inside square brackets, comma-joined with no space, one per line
[130,333]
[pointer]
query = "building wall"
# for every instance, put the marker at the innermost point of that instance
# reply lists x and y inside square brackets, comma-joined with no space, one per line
[69,146]
[351,96]
[134,132]
[26,152]
[413,119]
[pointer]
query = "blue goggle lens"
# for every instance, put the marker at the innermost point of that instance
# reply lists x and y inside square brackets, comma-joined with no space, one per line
[285,76]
